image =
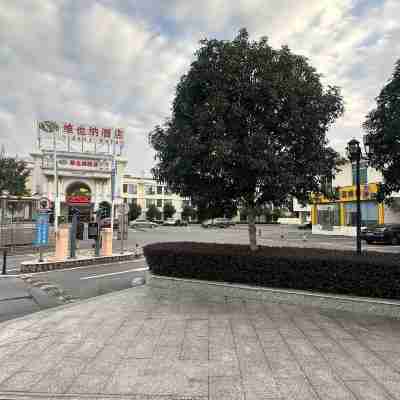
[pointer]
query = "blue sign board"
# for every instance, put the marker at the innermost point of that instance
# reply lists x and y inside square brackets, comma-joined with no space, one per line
[42,230]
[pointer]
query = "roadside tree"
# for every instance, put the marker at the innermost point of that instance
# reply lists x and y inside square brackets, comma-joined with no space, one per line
[248,127]
[188,212]
[13,175]
[134,211]
[168,210]
[382,125]
[153,213]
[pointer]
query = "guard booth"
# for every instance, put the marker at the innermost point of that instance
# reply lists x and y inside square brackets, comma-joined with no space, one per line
[18,222]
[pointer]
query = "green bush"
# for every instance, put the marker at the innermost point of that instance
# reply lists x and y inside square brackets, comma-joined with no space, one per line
[341,272]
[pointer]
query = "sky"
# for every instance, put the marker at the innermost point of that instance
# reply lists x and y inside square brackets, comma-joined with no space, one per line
[117,62]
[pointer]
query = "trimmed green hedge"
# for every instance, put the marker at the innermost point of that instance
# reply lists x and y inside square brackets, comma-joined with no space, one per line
[341,272]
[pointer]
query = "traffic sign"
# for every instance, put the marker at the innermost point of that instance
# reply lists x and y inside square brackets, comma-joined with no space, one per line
[42,230]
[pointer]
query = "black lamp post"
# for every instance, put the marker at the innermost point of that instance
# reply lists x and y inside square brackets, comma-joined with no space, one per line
[354,154]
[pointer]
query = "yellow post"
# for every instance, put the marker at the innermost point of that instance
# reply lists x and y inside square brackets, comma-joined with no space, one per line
[106,242]
[341,214]
[62,240]
[381,213]
[314,214]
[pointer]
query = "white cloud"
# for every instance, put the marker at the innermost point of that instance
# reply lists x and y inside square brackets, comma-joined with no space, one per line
[117,62]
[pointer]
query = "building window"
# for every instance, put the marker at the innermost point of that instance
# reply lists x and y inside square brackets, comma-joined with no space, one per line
[159,189]
[169,201]
[125,188]
[150,190]
[369,213]
[159,202]
[167,190]
[150,202]
[132,189]
[363,173]
[328,216]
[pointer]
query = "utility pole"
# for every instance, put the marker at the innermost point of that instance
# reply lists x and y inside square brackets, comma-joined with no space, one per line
[56,200]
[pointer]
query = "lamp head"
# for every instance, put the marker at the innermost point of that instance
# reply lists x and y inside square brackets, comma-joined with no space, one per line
[353,150]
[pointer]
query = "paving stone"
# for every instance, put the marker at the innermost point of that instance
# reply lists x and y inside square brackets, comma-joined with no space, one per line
[23,380]
[297,388]
[59,380]
[143,347]
[89,383]
[367,390]
[195,348]
[226,388]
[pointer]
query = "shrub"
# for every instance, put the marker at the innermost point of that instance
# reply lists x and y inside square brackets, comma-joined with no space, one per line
[341,272]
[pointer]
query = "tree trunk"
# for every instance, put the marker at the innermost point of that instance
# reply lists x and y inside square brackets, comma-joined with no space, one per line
[252,229]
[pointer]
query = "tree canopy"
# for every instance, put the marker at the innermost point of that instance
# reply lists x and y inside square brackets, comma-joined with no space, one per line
[248,127]
[168,210]
[382,125]
[134,211]
[153,213]
[13,175]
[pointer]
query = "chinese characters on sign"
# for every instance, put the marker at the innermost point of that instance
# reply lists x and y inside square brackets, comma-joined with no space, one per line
[42,230]
[102,135]
[99,164]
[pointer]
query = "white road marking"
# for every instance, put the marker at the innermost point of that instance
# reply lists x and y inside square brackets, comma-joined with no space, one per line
[13,269]
[112,273]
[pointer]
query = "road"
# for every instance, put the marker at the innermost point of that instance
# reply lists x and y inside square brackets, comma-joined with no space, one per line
[85,282]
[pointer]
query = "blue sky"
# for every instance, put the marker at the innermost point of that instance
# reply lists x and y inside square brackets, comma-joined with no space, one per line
[117,62]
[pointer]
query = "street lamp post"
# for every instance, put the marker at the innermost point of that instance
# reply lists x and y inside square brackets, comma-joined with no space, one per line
[354,154]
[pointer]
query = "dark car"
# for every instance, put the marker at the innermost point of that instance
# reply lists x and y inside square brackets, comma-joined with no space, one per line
[106,223]
[305,226]
[180,222]
[384,233]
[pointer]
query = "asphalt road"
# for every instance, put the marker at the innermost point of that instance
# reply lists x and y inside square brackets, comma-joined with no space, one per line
[85,282]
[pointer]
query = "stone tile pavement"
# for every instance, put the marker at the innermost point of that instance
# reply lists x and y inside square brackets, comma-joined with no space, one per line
[145,343]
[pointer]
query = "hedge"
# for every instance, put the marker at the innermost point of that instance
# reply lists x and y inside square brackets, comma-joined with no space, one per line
[330,271]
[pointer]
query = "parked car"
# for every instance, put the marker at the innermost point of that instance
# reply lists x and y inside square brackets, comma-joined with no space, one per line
[180,222]
[169,222]
[106,223]
[217,223]
[384,233]
[305,226]
[142,223]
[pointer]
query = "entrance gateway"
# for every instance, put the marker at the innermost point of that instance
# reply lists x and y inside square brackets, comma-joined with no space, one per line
[84,155]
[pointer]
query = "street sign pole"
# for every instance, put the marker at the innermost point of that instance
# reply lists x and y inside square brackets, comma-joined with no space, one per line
[42,232]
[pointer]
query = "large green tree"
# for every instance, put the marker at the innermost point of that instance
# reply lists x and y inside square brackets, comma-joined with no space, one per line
[382,125]
[13,175]
[134,211]
[248,127]
[168,210]
[153,213]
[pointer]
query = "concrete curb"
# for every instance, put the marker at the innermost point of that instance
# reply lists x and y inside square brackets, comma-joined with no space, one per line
[46,294]
[381,307]
[34,266]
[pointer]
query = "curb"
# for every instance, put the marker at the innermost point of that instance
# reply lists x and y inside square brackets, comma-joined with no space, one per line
[54,293]
[367,305]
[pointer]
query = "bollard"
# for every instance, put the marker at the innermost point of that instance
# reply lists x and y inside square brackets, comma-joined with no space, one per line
[4,272]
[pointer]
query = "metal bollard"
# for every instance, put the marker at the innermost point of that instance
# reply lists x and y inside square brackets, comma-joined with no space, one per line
[4,272]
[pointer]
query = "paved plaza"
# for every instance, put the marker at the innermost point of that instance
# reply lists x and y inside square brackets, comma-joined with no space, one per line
[144,343]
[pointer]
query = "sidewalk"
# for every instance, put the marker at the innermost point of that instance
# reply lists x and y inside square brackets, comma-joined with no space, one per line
[143,343]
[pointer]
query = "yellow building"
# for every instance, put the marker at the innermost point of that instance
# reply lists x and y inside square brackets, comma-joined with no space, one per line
[340,216]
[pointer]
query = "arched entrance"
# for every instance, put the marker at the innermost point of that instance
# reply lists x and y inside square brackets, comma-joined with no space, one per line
[79,196]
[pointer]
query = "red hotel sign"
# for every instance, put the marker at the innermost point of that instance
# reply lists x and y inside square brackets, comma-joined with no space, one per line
[78,199]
